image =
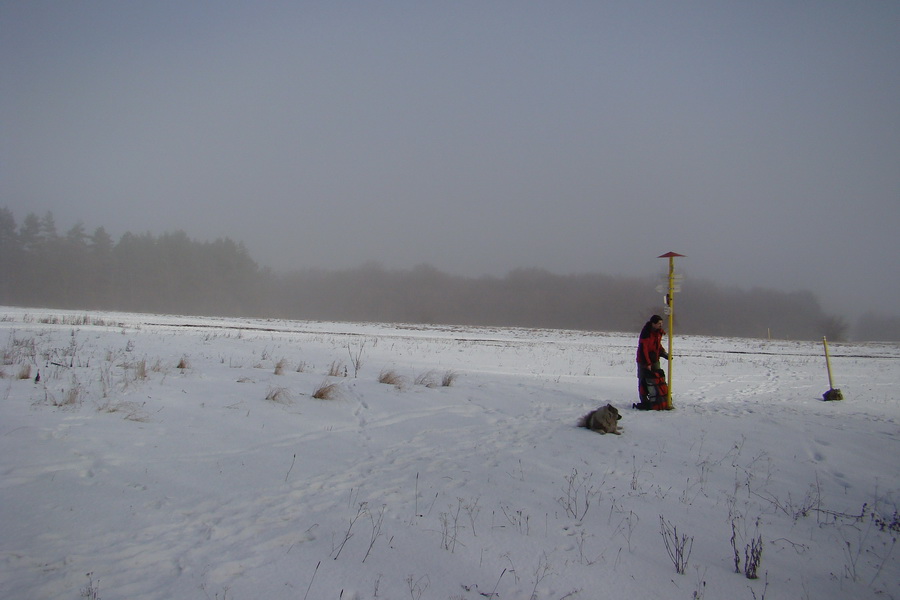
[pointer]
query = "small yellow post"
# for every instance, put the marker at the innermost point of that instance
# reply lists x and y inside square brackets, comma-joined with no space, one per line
[670,302]
[827,362]
[831,394]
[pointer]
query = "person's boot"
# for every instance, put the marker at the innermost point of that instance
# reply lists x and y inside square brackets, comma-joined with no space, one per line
[644,404]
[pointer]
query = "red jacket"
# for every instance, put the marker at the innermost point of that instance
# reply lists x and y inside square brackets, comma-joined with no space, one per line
[650,348]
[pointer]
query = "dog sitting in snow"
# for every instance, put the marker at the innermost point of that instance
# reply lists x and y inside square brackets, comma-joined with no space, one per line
[603,420]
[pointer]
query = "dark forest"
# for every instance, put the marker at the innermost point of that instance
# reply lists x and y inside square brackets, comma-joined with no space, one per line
[171,273]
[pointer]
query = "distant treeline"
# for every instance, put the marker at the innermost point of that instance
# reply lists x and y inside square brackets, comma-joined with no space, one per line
[172,273]
[538,298]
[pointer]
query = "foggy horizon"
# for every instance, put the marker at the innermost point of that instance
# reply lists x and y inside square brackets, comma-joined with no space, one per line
[760,140]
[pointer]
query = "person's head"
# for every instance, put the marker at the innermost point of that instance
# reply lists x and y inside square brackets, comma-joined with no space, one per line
[656,321]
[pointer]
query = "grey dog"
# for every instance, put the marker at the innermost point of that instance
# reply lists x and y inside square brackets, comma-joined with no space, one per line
[602,420]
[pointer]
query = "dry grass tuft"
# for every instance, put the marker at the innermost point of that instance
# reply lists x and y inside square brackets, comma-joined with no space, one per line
[24,372]
[327,391]
[280,366]
[131,410]
[279,395]
[390,377]
[337,369]
[427,379]
[72,396]
[69,398]
[183,364]
[448,378]
[140,369]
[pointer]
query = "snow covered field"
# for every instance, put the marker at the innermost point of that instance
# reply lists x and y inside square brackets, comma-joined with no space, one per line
[173,458]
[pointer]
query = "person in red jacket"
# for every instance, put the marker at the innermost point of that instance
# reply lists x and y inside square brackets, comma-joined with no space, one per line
[651,379]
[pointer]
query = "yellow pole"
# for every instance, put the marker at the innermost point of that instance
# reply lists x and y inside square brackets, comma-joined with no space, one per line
[827,363]
[831,394]
[670,302]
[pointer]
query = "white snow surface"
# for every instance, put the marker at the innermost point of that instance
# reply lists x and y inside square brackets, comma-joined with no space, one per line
[125,476]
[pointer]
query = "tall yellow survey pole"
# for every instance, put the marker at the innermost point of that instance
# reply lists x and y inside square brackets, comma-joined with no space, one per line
[670,309]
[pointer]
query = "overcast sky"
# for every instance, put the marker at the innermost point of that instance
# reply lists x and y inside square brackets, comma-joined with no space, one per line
[761,139]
